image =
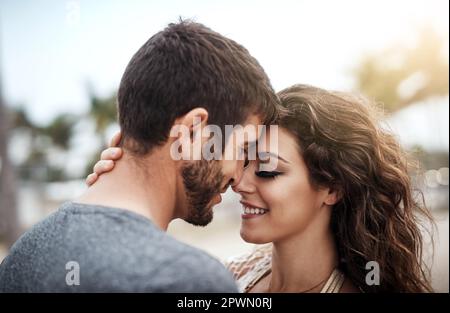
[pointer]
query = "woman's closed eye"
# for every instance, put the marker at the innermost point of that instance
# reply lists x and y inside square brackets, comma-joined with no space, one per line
[267,174]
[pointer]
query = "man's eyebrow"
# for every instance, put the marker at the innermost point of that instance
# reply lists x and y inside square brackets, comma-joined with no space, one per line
[268,153]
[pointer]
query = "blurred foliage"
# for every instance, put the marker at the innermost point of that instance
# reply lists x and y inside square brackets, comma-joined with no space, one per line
[57,135]
[428,160]
[103,111]
[21,119]
[60,130]
[402,75]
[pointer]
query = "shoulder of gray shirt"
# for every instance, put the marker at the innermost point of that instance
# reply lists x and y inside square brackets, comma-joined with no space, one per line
[119,250]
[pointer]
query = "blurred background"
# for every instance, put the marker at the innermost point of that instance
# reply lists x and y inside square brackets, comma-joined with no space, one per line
[61,63]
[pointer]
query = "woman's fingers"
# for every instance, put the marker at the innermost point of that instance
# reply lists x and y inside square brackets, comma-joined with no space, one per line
[116,139]
[107,158]
[111,154]
[103,166]
[91,179]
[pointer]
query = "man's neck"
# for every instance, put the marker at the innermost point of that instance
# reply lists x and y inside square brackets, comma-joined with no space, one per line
[147,188]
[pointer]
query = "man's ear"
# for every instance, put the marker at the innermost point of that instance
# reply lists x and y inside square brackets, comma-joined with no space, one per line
[186,133]
[195,120]
[334,196]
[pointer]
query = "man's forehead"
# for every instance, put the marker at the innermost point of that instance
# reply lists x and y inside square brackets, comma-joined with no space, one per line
[253,119]
[253,122]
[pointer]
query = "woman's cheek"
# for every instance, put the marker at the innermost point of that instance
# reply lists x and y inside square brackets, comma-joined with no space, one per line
[291,203]
[281,199]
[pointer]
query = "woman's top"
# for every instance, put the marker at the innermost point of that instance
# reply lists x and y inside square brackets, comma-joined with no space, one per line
[249,268]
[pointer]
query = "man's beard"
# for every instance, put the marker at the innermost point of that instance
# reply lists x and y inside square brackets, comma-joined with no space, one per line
[202,180]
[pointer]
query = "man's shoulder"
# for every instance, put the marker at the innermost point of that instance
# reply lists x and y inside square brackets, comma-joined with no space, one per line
[192,269]
[191,257]
[116,251]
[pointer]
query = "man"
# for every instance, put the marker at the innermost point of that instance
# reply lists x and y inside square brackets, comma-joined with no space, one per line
[113,237]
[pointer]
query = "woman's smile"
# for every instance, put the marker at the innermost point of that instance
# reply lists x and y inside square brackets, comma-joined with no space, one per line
[251,211]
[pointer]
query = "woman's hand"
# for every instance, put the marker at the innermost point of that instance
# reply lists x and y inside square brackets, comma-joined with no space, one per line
[107,158]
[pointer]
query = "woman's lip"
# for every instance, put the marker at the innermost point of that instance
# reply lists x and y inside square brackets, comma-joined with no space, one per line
[245,203]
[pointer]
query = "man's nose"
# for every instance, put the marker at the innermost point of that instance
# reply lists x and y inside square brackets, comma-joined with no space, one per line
[237,174]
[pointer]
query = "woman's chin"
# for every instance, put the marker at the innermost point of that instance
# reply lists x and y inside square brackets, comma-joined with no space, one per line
[253,237]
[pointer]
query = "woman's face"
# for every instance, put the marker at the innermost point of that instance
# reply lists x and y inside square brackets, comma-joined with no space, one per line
[280,203]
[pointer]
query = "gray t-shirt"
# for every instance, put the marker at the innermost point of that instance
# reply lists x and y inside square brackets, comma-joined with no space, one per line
[86,248]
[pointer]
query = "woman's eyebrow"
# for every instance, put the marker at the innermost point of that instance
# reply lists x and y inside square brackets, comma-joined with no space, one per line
[268,153]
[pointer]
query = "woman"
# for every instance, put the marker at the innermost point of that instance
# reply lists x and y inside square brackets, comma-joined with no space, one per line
[338,211]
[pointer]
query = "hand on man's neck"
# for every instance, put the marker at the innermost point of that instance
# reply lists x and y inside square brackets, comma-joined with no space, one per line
[143,185]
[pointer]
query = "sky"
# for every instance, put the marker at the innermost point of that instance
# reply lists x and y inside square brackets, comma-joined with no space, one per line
[51,50]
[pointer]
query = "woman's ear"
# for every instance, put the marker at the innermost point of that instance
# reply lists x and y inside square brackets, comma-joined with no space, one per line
[333,196]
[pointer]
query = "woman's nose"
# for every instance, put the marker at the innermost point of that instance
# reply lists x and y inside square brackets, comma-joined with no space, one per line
[245,184]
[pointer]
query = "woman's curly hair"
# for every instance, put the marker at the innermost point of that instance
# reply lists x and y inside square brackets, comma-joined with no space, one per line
[379,214]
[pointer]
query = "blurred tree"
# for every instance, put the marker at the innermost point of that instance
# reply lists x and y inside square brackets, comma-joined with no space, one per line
[55,135]
[9,226]
[429,160]
[403,75]
[21,119]
[104,113]
[102,110]
[60,130]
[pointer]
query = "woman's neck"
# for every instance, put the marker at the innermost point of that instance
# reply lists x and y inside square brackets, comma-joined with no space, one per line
[303,262]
